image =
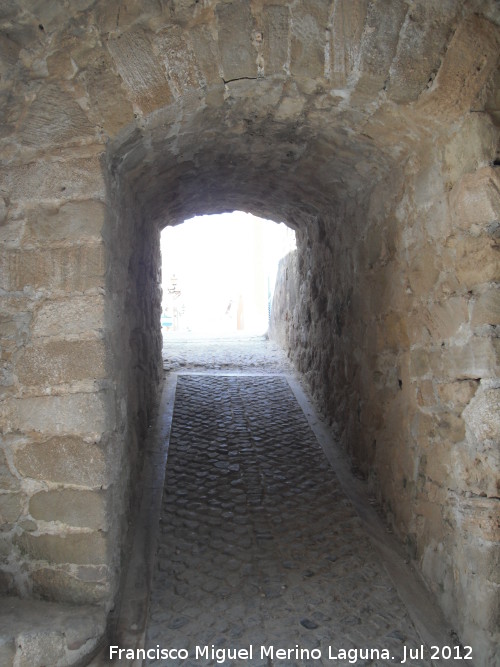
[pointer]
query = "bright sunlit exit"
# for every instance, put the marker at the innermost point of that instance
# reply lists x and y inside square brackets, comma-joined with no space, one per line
[219,273]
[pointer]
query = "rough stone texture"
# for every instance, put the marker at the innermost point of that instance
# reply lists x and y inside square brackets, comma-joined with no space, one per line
[410,379]
[371,127]
[36,634]
[252,550]
[62,460]
[75,508]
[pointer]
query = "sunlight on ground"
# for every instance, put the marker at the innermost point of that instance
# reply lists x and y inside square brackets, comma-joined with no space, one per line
[219,273]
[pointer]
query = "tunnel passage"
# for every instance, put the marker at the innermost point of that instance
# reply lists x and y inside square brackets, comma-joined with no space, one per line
[371,127]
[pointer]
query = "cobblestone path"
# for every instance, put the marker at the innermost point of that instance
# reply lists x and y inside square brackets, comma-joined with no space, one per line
[258,545]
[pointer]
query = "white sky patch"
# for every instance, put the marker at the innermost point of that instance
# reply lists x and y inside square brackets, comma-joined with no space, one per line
[225,269]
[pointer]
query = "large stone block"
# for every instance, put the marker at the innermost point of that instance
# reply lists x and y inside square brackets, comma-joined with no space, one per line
[472,143]
[179,60]
[77,548]
[11,505]
[477,260]
[8,481]
[443,320]
[70,414]
[54,118]
[85,509]
[483,415]
[63,317]
[476,359]
[421,43]
[457,395]
[423,271]
[348,24]
[60,361]
[486,308]
[63,460]
[276,25]
[378,45]
[235,28]
[80,178]
[72,222]
[206,51]
[141,70]
[480,520]
[470,59]
[46,633]
[111,111]
[308,38]
[51,584]
[475,202]
[74,269]
[11,232]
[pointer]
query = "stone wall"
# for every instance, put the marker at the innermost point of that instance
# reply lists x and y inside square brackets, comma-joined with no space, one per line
[390,308]
[81,351]
[369,126]
[58,409]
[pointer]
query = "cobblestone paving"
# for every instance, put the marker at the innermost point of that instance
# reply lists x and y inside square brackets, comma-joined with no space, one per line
[258,545]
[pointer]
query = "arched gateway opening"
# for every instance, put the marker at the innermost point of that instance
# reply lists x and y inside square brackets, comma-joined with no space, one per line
[372,129]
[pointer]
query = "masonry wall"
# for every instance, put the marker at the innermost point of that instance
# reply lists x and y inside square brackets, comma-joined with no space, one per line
[390,308]
[79,380]
[365,124]
[59,414]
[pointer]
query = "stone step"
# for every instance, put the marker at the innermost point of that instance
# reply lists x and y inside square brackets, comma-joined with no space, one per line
[34,633]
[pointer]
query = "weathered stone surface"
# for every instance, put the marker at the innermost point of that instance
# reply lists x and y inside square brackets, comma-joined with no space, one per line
[308,36]
[235,26]
[54,180]
[62,361]
[64,460]
[140,70]
[380,38]
[179,60]
[75,315]
[348,24]
[85,509]
[275,24]
[7,652]
[45,633]
[50,584]
[475,202]
[486,308]
[70,414]
[74,269]
[11,505]
[477,359]
[443,320]
[8,481]
[483,415]
[112,111]
[477,261]
[457,394]
[421,44]
[54,118]
[82,548]
[72,222]
[469,61]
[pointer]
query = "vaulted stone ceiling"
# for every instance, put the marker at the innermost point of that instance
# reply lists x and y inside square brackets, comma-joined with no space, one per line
[208,105]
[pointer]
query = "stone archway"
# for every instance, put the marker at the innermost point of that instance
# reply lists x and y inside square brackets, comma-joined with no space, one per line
[371,127]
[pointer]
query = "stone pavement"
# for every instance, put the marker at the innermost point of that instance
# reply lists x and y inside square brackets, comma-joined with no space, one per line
[258,544]
[238,353]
